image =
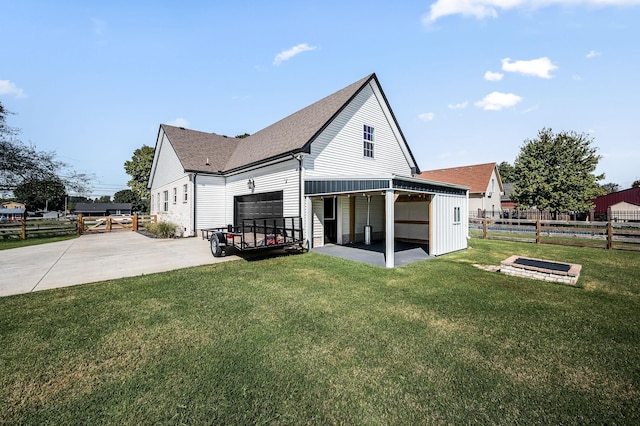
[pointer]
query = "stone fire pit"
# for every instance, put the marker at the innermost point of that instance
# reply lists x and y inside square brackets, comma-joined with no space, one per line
[545,270]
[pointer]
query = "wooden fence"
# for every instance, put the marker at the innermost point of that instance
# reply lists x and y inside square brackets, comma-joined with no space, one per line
[31,228]
[610,235]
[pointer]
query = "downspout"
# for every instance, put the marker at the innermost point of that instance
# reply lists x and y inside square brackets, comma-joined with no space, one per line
[195,231]
[300,199]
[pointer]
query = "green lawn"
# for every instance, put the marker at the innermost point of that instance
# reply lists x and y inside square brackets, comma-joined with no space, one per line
[310,339]
[10,243]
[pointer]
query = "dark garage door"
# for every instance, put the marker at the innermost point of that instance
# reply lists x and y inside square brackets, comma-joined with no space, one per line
[257,206]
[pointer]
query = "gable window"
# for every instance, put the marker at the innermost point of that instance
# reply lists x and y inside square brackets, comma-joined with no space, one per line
[456,215]
[166,201]
[367,150]
[185,194]
[175,195]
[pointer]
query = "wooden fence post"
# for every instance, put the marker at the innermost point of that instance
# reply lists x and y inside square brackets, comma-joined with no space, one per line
[538,229]
[80,224]
[484,228]
[609,235]
[135,222]
[23,234]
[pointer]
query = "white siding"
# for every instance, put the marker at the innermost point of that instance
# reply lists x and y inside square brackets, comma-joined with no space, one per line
[338,151]
[317,209]
[210,199]
[168,168]
[277,177]
[447,235]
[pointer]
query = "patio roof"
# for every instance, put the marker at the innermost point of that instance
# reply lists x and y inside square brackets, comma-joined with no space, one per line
[347,185]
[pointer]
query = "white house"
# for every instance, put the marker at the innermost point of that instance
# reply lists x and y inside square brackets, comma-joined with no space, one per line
[484,183]
[339,164]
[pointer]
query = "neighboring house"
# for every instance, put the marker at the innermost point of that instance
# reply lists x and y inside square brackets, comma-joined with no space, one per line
[102,209]
[337,164]
[620,205]
[13,205]
[12,214]
[483,180]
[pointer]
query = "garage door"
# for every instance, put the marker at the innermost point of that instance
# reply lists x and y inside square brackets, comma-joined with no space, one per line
[257,206]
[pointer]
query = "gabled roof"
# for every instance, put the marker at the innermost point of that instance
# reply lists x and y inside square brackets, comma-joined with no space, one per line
[296,131]
[475,176]
[200,151]
[288,136]
[101,207]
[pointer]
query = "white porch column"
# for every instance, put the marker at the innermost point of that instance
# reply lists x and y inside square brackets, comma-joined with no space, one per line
[389,228]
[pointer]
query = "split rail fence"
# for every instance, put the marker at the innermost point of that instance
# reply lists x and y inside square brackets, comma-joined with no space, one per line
[609,235]
[32,228]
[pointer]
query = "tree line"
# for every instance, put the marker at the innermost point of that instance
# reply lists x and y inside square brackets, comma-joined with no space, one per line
[556,172]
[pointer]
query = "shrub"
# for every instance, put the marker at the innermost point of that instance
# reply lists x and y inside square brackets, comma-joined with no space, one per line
[162,229]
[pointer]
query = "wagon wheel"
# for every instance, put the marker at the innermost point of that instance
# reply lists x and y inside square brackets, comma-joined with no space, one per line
[216,249]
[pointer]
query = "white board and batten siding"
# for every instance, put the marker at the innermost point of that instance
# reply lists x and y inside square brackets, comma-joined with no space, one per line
[338,151]
[447,234]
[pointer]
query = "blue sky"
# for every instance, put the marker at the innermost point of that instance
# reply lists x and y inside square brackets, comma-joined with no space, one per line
[469,81]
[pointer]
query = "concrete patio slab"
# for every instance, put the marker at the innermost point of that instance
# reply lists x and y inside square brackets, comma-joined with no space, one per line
[374,254]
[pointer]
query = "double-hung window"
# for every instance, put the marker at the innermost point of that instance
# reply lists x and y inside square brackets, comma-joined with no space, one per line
[185,193]
[367,147]
[456,215]
[175,195]
[165,201]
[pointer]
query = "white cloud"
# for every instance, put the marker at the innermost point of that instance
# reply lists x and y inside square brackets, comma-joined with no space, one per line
[540,67]
[427,116]
[495,101]
[9,88]
[493,76]
[285,55]
[461,105]
[481,9]
[592,54]
[179,122]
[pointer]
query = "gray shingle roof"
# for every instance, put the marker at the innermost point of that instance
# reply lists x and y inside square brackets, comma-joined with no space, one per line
[194,148]
[294,132]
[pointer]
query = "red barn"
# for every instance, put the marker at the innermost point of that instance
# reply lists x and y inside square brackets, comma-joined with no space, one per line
[628,196]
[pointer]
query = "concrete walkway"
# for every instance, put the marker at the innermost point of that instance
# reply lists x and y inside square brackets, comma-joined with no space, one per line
[97,257]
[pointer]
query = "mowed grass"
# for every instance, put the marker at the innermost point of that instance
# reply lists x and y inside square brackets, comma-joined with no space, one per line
[311,339]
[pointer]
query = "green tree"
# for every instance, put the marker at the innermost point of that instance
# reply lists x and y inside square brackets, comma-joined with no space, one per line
[22,164]
[507,172]
[555,171]
[139,168]
[610,187]
[636,184]
[128,196]
[103,199]
[242,136]
[45,194]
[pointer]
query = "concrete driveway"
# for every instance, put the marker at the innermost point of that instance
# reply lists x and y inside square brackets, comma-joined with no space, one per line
[97,257]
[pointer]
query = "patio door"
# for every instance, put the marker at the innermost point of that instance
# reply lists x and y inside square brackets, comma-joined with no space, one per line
[330,222]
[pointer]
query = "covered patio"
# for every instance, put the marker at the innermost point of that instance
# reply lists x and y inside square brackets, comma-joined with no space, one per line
[343,213]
